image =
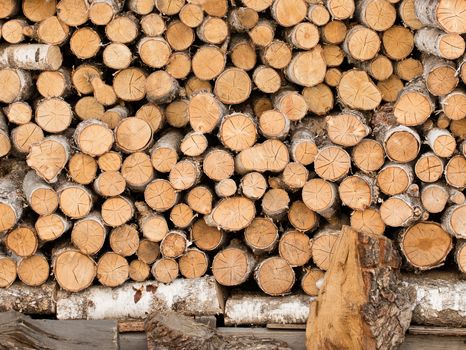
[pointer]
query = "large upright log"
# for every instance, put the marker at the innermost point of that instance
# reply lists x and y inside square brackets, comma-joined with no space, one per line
[361,292]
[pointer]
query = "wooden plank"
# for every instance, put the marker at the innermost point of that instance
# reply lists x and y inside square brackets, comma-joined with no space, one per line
[439,331]
[130,326]
[20,331]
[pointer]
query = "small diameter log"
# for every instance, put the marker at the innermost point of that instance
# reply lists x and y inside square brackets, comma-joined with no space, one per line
[318,14]
[22,240]
[33,271]
[226,188]
[11,199]
[242,53]
[194,263]
[273,124]
[18,85]
[180,36]
[303,36]
[441,14]
[124,240]
[277,54]
[321,196]
[205,112]
[161,87]
[332,163]
[112,270]
[266,79]
[429,167]
[253,185]
[117,56]
[238,131]
[148,251]
[379,68]
[354,81]
[174,244]
[85,43]
[233,265]
[31,56]
[368,155]
[93,137]
[82,168]
[51,227]
[439,75]
[182,215]
[323,247]
[73,12]
[125,133]
[347,129]
[377,15]
[103,93]
[312,281]
[117,211]
[200,296]
[109,183]
[153,226]
[334,32]
[176,112]
[319,98]
[301,217]
[416,94]
[460,255]
[274,276]
[13,30]
[41,197]
[395,178]
[233,86]
[361,43]
[398,42]
[307,68]
[153,114]
[261,235]
[295,248]
[271,155]
[208,62]
[165,270]
[275,203]
[200,199]
[179,65]
[81,78]
[407,14]
[130,84]
[154,51]
[401,211]
[303,147]
[54,83]
[409,68]
[19,113]
[192,15]
[101,12]
[110,161]
[137,171]
[259,309]
[53,115]
[332,78]
[401,144]
[455,172]
[9,8]
[453,220]
[232,214]
[152,24]
[218,164]
[441,142]
[425,245]
[185,174]
[122,28]
[434,197]
[89,234]
[7,271]
[436,42]
[206,237]
[48,157]
[164,153]
[263,33]
[358,191]
[294,176]
[75,200]
[367,221]
[66,260]
[340,9]
[390,88]
[138,271]
[454,104]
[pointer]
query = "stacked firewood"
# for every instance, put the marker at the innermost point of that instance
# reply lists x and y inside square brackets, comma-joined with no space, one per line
[150,139]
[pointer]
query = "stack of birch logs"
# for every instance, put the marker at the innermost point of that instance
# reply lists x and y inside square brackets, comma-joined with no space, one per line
[146,139]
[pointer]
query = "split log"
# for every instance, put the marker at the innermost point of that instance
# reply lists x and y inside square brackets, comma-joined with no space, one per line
[199,296]
[247,308]
[166,328]
[354,280]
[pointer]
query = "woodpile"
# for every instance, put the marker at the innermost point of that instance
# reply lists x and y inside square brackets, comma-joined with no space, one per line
[158,139]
